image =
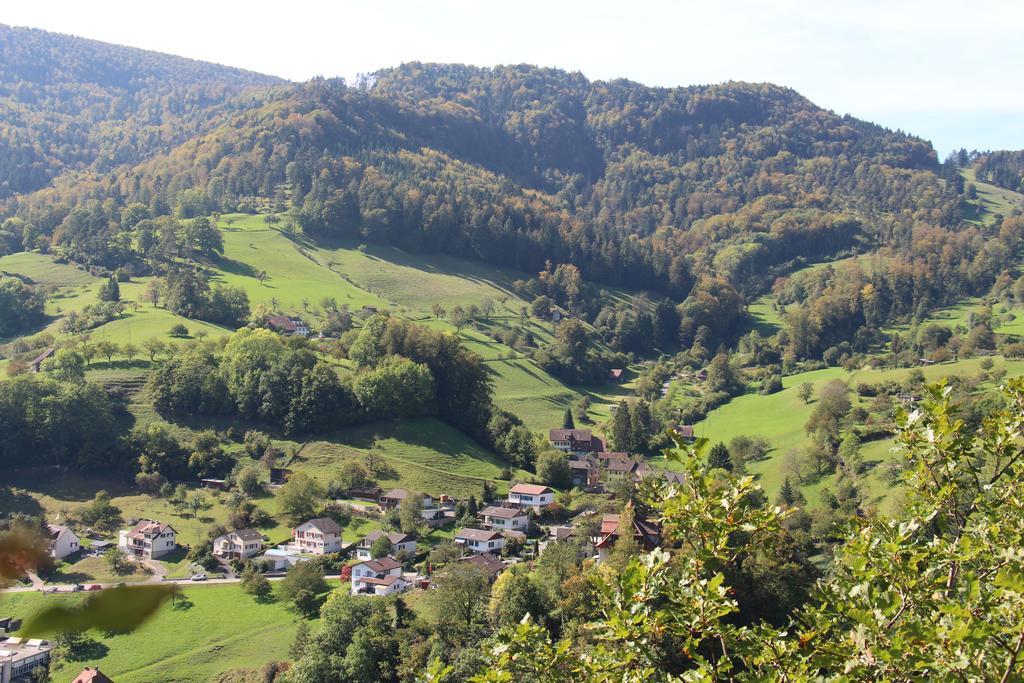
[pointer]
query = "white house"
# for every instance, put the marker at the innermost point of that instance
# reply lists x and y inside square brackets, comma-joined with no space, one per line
[281,559]
[399,543]
[480,541]
[505,518]
[537,496]
[317,537]
[147,540]
[63,541]
[238,545]
[382,576]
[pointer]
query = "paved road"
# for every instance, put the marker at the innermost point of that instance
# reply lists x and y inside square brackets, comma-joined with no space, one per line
[69,588]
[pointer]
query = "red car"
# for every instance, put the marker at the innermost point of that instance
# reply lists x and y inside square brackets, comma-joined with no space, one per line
[94,587]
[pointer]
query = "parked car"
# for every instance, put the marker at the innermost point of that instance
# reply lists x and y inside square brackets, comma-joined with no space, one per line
[198,577]
[94,587]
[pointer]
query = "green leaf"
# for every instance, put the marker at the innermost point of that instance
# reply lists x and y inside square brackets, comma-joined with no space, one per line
[119,609]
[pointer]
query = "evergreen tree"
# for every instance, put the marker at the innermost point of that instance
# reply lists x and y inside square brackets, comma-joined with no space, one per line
[789,495]
[639,427]
[567,420]
[718,457]
[110,290]
[622,428]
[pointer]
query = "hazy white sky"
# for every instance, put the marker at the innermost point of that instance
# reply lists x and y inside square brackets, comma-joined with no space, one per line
[948,71]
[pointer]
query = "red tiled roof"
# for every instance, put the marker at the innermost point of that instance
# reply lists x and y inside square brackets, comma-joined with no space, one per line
[91,675]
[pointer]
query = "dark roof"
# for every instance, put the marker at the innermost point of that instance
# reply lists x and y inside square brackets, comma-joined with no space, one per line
[382,564]
[395,537]
[685,431]
[503,513]
[570,435]
[247,534]
[325,524]
[43,356]
[486,561]
[284,322]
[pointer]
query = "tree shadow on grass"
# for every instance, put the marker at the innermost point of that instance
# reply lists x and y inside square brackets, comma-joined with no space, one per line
[87,650]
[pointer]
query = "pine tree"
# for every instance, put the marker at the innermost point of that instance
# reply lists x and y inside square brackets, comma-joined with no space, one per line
[471,507]
[639,427]
[110,290]
[567,421]
[622,429]
[787,496]
[719,458]
[301,641]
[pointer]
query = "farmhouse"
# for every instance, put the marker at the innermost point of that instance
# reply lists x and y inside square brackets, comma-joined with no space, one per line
[585,472]
[279,475]
[147,540]
[20,656]
[317,537]
[37,363]
[573,440]
[378,577]
[284,324]
[627,468]
[63,541]
[615,374]
[480,540]
[367,493]
[531,495]
[647,535]
[238,545]
[505,518]
[399,543]
[684,432]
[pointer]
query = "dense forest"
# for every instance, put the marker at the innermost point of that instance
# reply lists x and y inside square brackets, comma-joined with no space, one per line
[1003,168]
[705,195]
[70,104]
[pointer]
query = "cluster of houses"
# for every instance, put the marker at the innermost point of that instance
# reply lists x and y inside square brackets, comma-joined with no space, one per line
[592,468]
[22,658]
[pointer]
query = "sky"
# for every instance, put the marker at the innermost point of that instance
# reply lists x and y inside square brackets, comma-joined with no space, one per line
[947,71]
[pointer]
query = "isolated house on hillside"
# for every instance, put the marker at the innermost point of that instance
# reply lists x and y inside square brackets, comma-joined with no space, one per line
[238,545]
[279,475]
[37,363]
[320,536]
[147,540]
[616,375]
[284,324]
[399,543]
[63,541]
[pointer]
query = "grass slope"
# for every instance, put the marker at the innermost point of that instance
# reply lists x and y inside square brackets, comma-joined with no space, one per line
[781,417]
[216,628]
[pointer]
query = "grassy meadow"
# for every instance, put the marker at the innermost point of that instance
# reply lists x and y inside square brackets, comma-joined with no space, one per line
[781,417]
[215,628]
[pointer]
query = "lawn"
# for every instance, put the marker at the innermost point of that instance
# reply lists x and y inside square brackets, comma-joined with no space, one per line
[781,417]
[43,270]
[427,456]
[992,199]
[214,629]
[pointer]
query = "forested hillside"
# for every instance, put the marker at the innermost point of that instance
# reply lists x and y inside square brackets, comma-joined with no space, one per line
[68,103]
[1003,168]
[681,191]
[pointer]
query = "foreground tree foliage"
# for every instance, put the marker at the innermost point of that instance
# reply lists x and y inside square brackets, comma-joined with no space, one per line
[937,594]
